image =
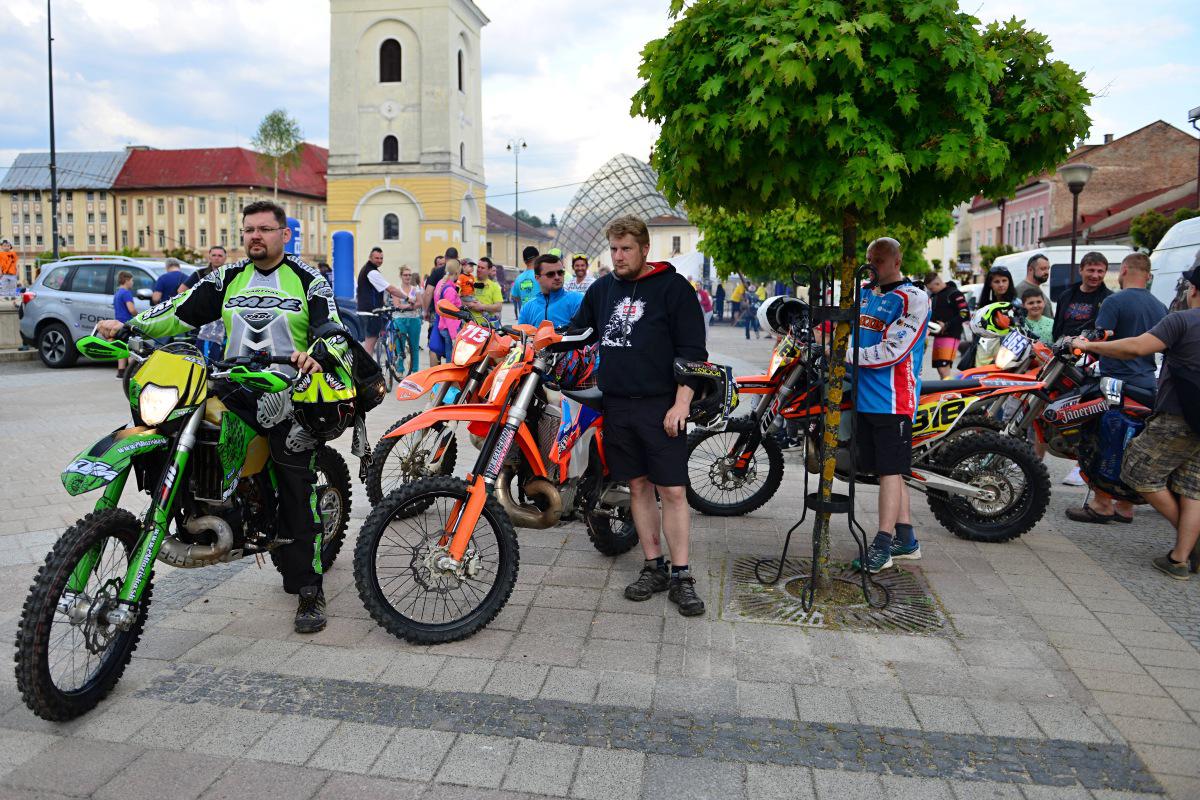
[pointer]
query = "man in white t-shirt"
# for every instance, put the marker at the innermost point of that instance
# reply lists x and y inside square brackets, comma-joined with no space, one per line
[372,287]
[582,280]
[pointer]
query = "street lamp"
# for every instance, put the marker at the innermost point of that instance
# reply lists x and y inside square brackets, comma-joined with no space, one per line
[1076,177]
[515,146]
[53,157]
[1194,117]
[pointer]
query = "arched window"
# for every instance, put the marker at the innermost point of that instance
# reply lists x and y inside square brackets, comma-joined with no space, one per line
[391,227]
[460,71]
[391,148]
[463,233]
[389,61]
[462,155]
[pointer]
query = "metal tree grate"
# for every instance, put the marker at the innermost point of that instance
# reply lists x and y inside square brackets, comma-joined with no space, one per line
[912,607]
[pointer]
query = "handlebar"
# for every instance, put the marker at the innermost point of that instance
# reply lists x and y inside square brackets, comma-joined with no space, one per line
[262,358]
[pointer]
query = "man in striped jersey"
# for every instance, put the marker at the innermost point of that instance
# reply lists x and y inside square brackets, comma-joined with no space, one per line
[893,321]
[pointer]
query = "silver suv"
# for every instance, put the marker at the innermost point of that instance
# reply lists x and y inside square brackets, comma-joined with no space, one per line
[71,295]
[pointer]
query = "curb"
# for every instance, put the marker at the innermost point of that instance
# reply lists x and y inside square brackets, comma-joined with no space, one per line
[7,356]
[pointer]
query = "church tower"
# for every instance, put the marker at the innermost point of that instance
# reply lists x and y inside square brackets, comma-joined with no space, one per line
[405,130]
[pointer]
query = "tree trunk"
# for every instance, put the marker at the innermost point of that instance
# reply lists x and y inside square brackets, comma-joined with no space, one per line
[276,184]
[833,412]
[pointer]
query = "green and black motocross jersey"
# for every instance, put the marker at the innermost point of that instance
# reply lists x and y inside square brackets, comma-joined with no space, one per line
[275,311]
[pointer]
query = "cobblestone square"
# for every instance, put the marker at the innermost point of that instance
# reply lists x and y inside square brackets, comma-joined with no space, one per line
[1067,667]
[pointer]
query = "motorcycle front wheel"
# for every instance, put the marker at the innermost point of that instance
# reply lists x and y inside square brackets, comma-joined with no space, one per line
[68,657]
[1003,464]
[714,488]
[401,459]
[396,566]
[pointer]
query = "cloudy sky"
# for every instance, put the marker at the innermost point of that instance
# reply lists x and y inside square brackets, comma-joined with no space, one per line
[558,73]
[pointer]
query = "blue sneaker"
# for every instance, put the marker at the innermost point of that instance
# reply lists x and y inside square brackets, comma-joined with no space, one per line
[878,560]
[906,552]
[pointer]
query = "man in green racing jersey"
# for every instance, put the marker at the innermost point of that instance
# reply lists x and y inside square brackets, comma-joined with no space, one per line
[275,302]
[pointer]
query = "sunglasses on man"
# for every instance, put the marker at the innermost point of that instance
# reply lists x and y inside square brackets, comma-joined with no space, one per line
[556,274]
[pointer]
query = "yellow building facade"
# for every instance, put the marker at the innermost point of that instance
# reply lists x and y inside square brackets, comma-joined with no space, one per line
[405,135]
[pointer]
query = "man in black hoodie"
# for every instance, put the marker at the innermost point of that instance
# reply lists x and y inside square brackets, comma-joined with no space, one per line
[646,315]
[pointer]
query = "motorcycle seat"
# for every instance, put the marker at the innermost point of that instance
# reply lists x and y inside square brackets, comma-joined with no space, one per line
[592,397]
[933,387]
[1138,394]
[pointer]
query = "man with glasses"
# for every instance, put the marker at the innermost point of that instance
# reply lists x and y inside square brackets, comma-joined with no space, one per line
[582,280]
[552,302]
[275,302]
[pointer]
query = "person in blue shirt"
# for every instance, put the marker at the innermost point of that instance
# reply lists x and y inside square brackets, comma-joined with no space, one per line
[123,308]
[552,302]
[167,285]
[525,285]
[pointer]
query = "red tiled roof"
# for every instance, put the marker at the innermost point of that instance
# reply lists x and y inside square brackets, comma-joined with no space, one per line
[1120,228]
[500,223]
[232,167]
[667,219]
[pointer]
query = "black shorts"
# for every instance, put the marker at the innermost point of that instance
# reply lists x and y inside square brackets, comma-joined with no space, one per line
[372,324]
[883,443]
[636,445]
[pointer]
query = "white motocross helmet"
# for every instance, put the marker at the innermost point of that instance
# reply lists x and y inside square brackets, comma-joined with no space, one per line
[779,312]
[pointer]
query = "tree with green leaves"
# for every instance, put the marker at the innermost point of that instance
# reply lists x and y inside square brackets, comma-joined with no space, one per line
[279,144]
[990,252]
[528,219]
[773,245]
[1148,228]
[862,111]
[185,254]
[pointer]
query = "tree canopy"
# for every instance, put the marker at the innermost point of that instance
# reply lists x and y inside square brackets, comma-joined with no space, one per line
[771,245]
[1148,228]
[278,141]
[877,108]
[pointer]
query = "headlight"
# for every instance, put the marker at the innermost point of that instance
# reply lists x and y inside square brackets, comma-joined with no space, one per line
[156,402]
[462,353]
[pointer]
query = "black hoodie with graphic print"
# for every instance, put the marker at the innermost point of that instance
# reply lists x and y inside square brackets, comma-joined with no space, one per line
[642,325]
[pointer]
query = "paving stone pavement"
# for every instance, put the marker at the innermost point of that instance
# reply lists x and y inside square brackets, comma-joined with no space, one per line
[1065,674]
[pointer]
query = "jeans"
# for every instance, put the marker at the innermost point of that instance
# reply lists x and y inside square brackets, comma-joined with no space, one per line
[410,329]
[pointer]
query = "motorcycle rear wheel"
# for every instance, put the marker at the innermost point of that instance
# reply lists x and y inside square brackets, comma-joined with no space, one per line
[333,504]
[1003,463]
[42,678]
[712,490]
[393,564]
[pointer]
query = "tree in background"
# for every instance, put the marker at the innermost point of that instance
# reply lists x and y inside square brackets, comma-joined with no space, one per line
[1148,228]
[862,112]
[528,219]
[185,254]
[990,252]
[279,144]
[771,245]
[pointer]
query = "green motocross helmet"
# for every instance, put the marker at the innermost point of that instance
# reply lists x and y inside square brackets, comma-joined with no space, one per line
[323,402]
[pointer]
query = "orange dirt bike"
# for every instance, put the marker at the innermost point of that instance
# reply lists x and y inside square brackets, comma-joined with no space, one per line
[983,487]
[433,450]
[437,559]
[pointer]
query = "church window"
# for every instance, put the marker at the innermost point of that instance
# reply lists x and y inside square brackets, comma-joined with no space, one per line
[391,227]
[389,61]
[391,148]
[463,224]
[460,71]
[462,155]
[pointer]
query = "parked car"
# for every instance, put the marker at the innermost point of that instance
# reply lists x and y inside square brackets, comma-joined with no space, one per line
[1174,254]
[71,295]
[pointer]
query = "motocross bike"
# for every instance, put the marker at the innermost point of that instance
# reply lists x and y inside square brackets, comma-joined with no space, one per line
[213,499]
[433,450]
[442,573]
[981,487]
[391,349]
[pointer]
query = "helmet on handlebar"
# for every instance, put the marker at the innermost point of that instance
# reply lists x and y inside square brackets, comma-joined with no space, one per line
[576,369]
[994,319]
[716,394]
[780,313]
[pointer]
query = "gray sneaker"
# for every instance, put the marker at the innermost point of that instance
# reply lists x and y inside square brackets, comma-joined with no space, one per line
[1167,567]
[652,580]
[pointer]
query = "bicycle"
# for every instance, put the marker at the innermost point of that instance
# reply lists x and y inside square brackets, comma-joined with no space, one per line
[391,348]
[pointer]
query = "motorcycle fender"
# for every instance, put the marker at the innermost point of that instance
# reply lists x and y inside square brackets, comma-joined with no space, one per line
[474,413]
[756,384]
[421,382]
[101,463]
[1019,388]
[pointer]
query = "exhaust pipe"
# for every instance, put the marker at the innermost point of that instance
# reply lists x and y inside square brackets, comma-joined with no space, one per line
[182,554]
[530,516]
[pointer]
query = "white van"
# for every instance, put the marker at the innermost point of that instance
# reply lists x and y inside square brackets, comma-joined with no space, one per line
[1060,264]
[1174,254]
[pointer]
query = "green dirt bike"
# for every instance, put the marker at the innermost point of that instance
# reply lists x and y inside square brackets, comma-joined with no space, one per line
[210,480]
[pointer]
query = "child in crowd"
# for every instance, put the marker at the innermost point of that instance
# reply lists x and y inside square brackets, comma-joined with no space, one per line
[1035,309]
